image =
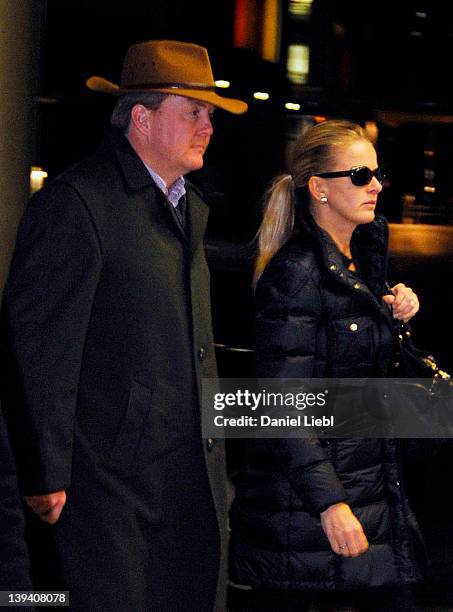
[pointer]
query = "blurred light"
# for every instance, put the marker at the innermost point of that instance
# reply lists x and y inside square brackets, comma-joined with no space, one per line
[244,23]
[298,64]
[415,34]
[222,84]
[261,95]
[319,118]
[372,130]
[300,8]
[292,106]
[421,15]
[429,189]
[428,153]
[37,178]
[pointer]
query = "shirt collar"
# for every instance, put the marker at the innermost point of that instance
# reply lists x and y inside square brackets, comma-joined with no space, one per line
[174,192]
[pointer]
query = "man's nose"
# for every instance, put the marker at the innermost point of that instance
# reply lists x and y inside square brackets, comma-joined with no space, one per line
[206,125]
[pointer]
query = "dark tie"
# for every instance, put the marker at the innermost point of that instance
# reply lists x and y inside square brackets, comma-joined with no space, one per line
[181,211]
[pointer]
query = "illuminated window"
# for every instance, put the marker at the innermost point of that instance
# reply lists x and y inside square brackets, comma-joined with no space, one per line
[298,64]
[222,84]
[300,8]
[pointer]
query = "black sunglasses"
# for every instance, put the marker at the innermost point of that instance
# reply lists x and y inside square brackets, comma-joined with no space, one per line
[359,175]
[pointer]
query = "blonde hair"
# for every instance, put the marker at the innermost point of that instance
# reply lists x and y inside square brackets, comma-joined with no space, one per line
[313,152]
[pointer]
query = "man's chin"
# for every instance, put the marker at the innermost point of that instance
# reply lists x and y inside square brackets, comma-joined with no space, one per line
[196,164]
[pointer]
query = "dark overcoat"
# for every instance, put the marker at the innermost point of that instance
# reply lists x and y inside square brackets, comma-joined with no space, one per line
[316,318]
[108,311]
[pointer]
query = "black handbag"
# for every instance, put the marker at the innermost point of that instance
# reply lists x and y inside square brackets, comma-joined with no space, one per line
[421,391]
[411,362]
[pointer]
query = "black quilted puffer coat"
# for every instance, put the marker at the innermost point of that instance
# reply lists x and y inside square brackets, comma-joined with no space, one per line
[317,319]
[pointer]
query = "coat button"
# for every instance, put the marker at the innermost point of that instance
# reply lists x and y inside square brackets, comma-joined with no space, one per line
[353,327]
[332,267]
[201,353]
[210,443]
[357,285]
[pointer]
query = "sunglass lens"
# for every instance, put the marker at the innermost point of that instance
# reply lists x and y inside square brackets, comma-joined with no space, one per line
[361,176]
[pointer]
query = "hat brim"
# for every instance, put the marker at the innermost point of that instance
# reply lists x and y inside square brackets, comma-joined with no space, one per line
[231,105]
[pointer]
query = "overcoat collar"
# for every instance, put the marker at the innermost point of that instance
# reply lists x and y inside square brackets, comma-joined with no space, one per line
[137,178]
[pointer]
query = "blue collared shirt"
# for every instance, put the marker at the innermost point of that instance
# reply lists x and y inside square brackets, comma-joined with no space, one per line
[174,192]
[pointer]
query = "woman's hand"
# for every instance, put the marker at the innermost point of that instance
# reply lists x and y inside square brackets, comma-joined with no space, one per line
[404,302]
[344,531]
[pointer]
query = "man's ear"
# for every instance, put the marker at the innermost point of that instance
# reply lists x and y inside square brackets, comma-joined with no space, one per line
[317,187]
[141,118]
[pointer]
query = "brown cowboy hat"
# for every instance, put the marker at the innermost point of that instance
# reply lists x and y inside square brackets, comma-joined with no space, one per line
[171,67]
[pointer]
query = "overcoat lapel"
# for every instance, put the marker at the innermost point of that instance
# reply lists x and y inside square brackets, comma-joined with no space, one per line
[197,218]
[138,178]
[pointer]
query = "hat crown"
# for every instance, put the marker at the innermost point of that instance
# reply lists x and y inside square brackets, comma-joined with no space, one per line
[169,67]
[166,61]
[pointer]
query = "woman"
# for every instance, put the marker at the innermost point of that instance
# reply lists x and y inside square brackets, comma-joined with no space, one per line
[314,515]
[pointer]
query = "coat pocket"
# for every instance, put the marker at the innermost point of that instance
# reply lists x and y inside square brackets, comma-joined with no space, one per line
[133,426]
[352,344]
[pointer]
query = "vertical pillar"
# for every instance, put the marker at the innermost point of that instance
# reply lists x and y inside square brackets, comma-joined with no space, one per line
[20,33]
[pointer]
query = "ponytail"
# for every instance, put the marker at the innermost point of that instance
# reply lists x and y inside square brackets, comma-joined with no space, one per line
[278,221]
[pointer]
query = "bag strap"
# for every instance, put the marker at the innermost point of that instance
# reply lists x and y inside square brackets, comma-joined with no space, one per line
[400,328]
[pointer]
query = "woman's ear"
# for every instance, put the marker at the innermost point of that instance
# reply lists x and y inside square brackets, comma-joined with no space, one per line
[317,188]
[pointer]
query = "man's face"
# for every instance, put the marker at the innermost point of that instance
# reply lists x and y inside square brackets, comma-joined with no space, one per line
[180,131]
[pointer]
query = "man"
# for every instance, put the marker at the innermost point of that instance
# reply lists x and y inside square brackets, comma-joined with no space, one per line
[109,318]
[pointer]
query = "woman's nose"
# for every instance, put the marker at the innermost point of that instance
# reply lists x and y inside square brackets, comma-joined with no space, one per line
[375,185]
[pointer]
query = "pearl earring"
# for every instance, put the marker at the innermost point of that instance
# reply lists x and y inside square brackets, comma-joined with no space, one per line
[323,200]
